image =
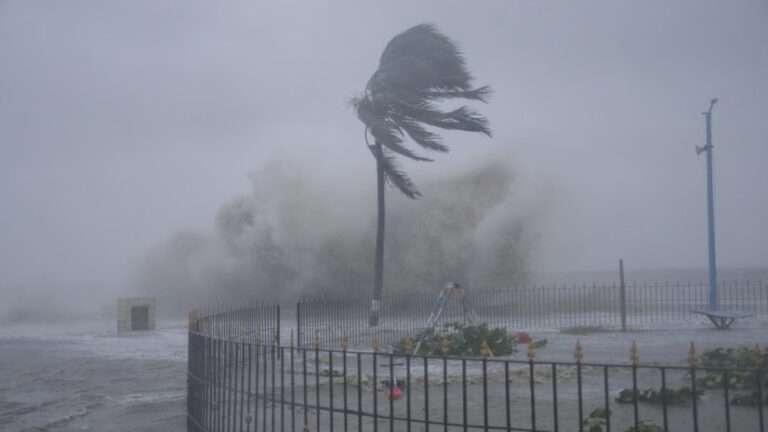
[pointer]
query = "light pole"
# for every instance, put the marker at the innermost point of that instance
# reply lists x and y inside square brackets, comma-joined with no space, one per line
[710,209]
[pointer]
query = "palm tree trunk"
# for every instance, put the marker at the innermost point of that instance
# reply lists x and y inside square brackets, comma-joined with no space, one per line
[378,275]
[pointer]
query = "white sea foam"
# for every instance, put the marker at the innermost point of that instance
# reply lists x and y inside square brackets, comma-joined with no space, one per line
[136,398]
[168,342]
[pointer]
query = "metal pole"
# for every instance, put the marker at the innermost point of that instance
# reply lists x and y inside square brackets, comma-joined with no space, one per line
[711,212]
[622,296]
[298,324]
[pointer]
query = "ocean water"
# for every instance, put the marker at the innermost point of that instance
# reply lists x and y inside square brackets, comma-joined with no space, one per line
[86,377]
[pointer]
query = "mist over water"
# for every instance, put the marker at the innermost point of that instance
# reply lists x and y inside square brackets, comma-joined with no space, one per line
[290,237]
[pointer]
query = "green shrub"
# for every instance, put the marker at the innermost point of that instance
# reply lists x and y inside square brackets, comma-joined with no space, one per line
[596,420]
[673,395]
[741,357]
[746,382]
[467,340]
[646,426]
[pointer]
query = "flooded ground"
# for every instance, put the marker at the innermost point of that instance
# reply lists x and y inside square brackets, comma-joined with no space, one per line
[87,377]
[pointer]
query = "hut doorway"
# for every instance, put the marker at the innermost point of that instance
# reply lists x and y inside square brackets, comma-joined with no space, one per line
[139,318]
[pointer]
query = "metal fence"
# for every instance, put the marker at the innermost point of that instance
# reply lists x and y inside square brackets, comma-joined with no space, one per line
[525,308]
[209,362]
[242,379]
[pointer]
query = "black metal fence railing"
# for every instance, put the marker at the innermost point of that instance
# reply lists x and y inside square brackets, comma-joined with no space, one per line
[242,322]
[242,378]
[210,362]
[524,308]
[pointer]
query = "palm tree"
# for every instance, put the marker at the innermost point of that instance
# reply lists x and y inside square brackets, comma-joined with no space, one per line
[419,69]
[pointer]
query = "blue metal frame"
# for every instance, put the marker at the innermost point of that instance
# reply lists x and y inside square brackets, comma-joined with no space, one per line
[449,290]
[711,212]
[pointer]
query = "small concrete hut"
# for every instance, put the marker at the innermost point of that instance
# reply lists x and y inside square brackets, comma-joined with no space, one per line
[135,314]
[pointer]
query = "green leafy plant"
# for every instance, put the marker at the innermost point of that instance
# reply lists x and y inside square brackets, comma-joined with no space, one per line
[467,340]
[596,420]
[744,383]
[741,357]
[673,395]
[646,426]
[750,399]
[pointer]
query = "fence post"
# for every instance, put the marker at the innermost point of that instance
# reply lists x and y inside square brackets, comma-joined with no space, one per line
[298,324]
[622,296]
[277,308]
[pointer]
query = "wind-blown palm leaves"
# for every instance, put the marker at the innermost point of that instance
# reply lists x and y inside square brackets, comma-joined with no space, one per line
[419,69]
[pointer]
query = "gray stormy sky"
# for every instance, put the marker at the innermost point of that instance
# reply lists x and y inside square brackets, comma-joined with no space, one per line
[122,122]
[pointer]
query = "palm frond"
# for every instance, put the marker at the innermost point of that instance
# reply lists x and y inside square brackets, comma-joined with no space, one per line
[479,94]
[420,135]
[461,118]
[380,126]
[386,132]
[398,148]
[421,58]
[419,68]
[393,174]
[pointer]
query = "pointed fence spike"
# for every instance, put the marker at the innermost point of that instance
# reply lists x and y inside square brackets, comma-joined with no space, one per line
[445,346]
[579,352]
[693,357]
[485,350]
[634,353]
[531,350]
[344,341]
[758,357]
[408,345]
